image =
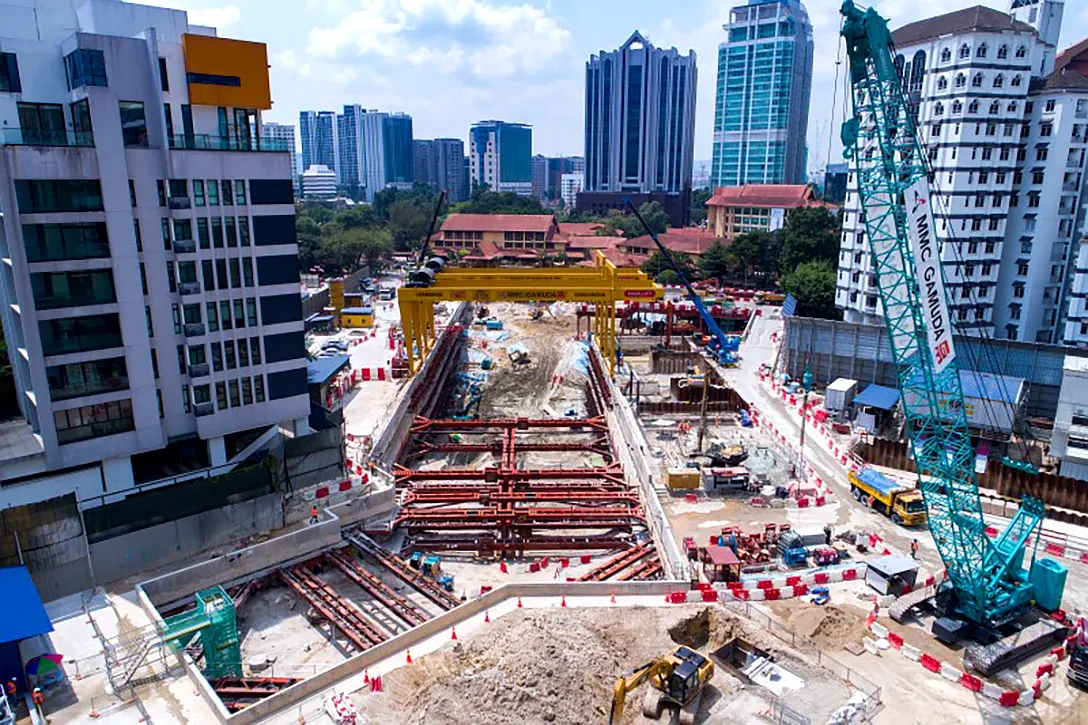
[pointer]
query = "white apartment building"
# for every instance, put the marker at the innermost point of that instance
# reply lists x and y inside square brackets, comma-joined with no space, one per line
[319,182]
[969,73]
[284,133]
[569,186]
[150,284]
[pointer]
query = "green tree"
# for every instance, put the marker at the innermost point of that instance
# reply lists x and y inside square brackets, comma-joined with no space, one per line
[756,256]
[813,284]
[485,201]
[409,221]
[317,212]
[375,248]
[716,262]
[628,224]
[360,216]
[699,198]
[810,234]
[656,265]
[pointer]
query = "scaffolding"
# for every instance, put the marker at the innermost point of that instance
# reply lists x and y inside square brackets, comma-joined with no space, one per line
[215,622]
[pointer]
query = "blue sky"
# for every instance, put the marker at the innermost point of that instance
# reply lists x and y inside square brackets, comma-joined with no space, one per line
[451,62]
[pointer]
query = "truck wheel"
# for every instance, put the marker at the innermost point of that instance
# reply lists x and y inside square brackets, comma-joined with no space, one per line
[897,520]
[857,493]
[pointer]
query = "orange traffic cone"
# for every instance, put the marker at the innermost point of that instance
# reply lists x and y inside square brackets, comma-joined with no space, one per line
[366,677]
[376,683]
[563,601]
[502,567]
[519,602]
[487,616]
[453,633]
[408,659]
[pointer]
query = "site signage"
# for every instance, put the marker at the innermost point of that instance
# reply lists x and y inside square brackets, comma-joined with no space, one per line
[927,266]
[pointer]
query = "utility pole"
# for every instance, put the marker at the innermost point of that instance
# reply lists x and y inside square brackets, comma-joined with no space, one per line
[703,407]
[806,383]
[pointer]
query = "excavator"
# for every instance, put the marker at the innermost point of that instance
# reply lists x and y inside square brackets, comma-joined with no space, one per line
[676,680]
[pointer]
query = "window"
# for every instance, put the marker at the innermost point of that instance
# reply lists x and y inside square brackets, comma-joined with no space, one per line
[228,193]
[143,278]
[239,315]
[255,350]
[164,80]
[1045,129]
[137,235]
[224,315]
[980,52]
[999,80]
[251,311]
[1049,107]
[9,74]
[221,395]
[183,230]
[57,242]
[938,109]
[43,124]
[946,55]
[247,271]
[235,274]
[991,130]
[56,290]
[965,51]
[258,388]
[217,232]
[1015,81]
[987,154]
[217,357]
[984,176]
[93,421]
[40,197]
[961,80]
[80,334]
[995,108]
[235,398]
[85,67]
[202,233]
[957,107]
[1021,51]
[232,233]
[197,355]
[243,231]
[207,269]
[133,123]
[972,108]
[247,391]
[213,192]
[243,354]
[228,349]
[213,316]
[198,192]
[942,83]
[240,192]
[1004,156]
[976,81]
[202,394]
[171,279]
[976,224]
[1037,177]
[1033,200]
[1002,52]
[165,223]
[221,272]
[936,130]
[1040,153]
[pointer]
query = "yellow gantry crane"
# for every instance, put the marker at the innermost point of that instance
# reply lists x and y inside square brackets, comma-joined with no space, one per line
[602,285]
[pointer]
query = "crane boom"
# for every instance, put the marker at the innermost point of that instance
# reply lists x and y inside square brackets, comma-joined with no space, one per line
[893,188]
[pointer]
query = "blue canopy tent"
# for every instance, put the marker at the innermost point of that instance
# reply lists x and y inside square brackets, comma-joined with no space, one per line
[24,617]
[878,396]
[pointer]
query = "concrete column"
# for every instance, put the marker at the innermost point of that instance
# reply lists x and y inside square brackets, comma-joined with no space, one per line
[217,451]
[300,426]
[118,473]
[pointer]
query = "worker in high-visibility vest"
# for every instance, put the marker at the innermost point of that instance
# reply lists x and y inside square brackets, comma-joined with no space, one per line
[313,515]
[38,698]
[9,690]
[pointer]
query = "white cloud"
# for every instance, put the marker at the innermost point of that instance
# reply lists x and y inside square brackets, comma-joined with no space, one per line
[216,17]
[287,60]
[478,36]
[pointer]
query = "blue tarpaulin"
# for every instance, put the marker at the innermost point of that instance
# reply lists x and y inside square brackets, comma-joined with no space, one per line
[24,615]
[878,396]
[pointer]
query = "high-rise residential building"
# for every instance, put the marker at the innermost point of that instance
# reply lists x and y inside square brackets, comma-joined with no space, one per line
[318,131]
[500,156]
[441,163]
[386,140]
[540,176]
[151,297]
[319,182]
[764,85]
[640,119]
[835,183]
[349,149]
[285,133]
[570,185]
[1001,130]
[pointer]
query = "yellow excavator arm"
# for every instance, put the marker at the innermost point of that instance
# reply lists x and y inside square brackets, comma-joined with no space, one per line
[631,681]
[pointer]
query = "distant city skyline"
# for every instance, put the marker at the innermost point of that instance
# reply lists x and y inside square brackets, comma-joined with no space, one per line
[524,61]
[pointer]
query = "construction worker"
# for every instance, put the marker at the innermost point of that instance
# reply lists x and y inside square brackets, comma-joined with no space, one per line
[38,699]
[827,534]
[9,690]
[914,549]
[313,514]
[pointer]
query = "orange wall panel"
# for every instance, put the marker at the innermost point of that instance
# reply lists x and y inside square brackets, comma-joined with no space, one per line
[242,59]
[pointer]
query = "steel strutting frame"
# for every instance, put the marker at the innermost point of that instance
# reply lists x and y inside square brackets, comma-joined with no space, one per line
[505,508]
[329,604]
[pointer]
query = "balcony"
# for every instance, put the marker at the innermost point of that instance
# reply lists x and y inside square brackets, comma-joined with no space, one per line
[180,202]
[19,137]
[185,246]
[205,142]
[98,429]
[194,329]
[189,288]
[199,370]
[202,409]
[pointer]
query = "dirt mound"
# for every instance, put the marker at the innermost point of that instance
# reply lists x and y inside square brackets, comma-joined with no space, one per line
[537,667]
[829,627]
[709,629]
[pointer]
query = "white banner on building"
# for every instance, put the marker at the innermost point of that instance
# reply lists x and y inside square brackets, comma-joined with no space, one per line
[927,266]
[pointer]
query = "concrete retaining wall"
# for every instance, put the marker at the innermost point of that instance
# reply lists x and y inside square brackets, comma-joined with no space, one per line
[375,507]
[129,554]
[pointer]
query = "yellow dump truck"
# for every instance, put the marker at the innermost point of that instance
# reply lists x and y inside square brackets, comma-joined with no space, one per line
[900,502]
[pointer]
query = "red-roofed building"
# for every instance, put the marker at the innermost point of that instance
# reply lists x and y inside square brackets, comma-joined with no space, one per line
[692,241]
[491,239]
[734,210]
[578,229]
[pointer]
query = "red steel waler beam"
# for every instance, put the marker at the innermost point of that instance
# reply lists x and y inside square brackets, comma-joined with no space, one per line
[610,473]
[526,543]
[421,424]
[414,496]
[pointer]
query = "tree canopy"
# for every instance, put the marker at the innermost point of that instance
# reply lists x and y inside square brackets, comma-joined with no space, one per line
[658,267]
[813,284]
[652,212]
[699,198]
[810,234]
